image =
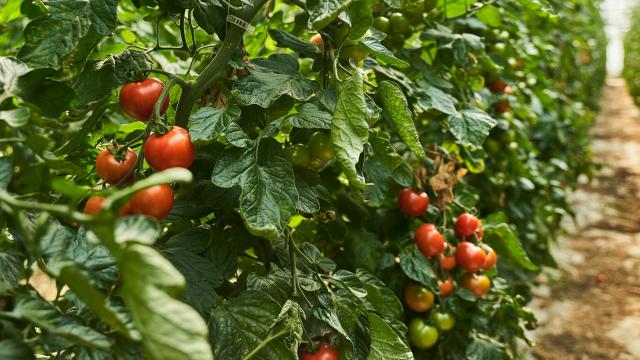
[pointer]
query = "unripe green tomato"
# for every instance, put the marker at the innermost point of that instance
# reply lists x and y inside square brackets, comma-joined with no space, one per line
[413,10]
[499,47]
[503,35]
[398,24]
[421,335]
[444,321]
[381,23]
[354,52]
[297,155]
[476,82]
[320,148]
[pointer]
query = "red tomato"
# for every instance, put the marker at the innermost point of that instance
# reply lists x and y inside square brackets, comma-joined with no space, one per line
[138,98]
[418,297]
[95,203]
[479,285]
[113,170]
[469,256]
[412,203]
[172,149]
[466,224]
[490,259]
[502,106]
[155,201]
[430,242]
[478,234]
[446,286]
[498,86]
[325,352]
[318,41]
[447,262]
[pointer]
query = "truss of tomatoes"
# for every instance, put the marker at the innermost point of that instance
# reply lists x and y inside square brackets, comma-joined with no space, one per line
[469,254]
[116,165]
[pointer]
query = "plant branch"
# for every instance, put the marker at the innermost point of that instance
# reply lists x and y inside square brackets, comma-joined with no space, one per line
[218,66]
[184,84]
[294,269]
[264,343]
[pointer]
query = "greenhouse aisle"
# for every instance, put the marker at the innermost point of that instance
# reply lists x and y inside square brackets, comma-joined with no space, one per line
[590,308]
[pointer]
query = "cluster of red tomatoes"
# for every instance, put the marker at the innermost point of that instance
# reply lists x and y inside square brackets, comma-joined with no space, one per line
[470,256]
[320,350]
[173,148]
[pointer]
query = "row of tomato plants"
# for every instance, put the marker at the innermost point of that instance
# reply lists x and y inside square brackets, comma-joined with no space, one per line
[632,55]
[366,179]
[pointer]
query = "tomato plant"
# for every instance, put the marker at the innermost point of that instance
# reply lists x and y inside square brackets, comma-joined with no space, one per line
[276,171]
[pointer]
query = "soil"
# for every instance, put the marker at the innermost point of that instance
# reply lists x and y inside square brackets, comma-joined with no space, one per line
[590,307]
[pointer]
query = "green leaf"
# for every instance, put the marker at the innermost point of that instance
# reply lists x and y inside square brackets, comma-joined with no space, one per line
[380,52]
[207,124]
[48,39]
[323,12]
[50,96]
[272,78]
[268,197]
[505,241]
[490,15]
[103,14]
[137,229]
[430,97]
[541,7]
[201,280]
[418,268]
[240,324]
[6,171]
[310,116]
[360,17]
[454,8]
[485,348]
[385,342]
[10,11]
[364,249]
[471,126]
[349,127]
[307,200]
[10,70]
[10,270]
[395,103]
[380,297]
[169,328]
[48,318]
[14,349]
[381,144]
[288,40]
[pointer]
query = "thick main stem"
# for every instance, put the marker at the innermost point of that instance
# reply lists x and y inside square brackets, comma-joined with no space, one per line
[218,66]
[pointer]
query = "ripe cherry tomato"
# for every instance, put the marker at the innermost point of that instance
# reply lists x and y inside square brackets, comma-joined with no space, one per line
[469,256]
[297,155]
[446,286]
[320,148]
[421,335]
[502,106]
[317,41]
[138,98]
[429,240]
[498,86]
[479,285]
[398,24]
[418,297]
[325,352]
[155,201]
[95,203]
[444,321]
[490,259]
[113,170]
[172,149]
[412,203]
[447,262]
[466,224]
[381,23]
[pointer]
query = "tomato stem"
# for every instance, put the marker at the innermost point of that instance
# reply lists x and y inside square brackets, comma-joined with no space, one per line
[217,67]
[294,269]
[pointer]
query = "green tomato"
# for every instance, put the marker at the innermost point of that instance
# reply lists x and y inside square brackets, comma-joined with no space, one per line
[499,47]
[320,148]
[413,9]
[476,82]
[354,52]
[444,321]
[297,155]
[381,23]
[398,24]
[421,335]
